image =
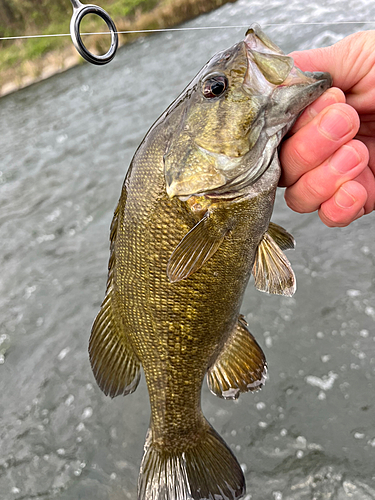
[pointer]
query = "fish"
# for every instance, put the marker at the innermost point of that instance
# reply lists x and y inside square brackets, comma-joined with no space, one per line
[191,226]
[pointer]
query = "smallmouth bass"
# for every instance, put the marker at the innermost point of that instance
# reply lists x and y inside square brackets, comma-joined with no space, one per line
[191,226]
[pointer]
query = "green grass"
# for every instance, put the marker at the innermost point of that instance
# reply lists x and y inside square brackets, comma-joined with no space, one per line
[120,8]
[14,53]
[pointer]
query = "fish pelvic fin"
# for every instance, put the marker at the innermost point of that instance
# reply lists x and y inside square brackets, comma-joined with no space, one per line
[206,470]
[240,367]
[115,366]
[272,270]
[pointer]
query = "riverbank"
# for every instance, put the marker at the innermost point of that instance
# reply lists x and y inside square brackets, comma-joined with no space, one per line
[20,68]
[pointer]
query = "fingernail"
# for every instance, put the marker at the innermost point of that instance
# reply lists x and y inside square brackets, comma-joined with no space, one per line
[335,124]
[345,159]
[344,199]
[329,97]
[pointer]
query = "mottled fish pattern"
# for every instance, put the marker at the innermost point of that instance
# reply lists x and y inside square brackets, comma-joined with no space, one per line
[191,226]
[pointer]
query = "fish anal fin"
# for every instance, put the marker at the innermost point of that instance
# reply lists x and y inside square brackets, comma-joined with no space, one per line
[272,270]
[207,469]
[113,361]
[240,367]
[197,246]
[281,236]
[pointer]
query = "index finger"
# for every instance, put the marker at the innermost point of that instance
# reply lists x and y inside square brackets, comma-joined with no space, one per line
[332,95]
[316,141]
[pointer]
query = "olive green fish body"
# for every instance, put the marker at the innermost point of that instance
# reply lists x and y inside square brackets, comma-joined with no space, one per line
[191,226]
[178,329]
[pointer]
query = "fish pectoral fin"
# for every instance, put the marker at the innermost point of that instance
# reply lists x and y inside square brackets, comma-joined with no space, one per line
[240,367]
[205,468]
[113,361]
[272,270]
[281,236]
[197,246]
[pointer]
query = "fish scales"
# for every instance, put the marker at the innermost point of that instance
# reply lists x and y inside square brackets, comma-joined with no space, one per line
[191,225]
[158,312]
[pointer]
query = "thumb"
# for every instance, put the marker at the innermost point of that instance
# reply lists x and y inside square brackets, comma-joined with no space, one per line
[348,60]
[313,59]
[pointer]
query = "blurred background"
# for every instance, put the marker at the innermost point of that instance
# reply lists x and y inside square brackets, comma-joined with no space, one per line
[27,60]
[65,146]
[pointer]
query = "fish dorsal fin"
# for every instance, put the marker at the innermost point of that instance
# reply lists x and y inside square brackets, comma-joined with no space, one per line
[272,270]
[280,236]
[240,367]
[114,363]
[197,246]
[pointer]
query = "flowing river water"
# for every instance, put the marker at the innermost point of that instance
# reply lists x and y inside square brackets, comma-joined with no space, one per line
[65,145]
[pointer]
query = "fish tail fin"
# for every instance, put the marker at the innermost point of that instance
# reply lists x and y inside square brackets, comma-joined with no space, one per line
[206,469]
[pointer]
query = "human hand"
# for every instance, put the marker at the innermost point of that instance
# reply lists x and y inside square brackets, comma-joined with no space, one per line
[328,163]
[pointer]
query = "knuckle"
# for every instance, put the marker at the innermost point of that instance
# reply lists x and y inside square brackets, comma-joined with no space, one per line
[295,155]
[301,155]
[332,219]
[296,203]
[314,190]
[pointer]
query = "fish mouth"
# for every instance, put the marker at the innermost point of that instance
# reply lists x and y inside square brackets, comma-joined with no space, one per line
[269,67]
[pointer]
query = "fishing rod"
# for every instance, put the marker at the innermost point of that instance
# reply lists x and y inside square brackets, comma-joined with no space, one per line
[81,10]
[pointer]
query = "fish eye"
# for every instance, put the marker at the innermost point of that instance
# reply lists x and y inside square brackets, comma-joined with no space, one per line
[214,86]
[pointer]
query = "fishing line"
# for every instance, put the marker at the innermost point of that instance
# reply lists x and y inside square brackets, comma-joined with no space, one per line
[129,32]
